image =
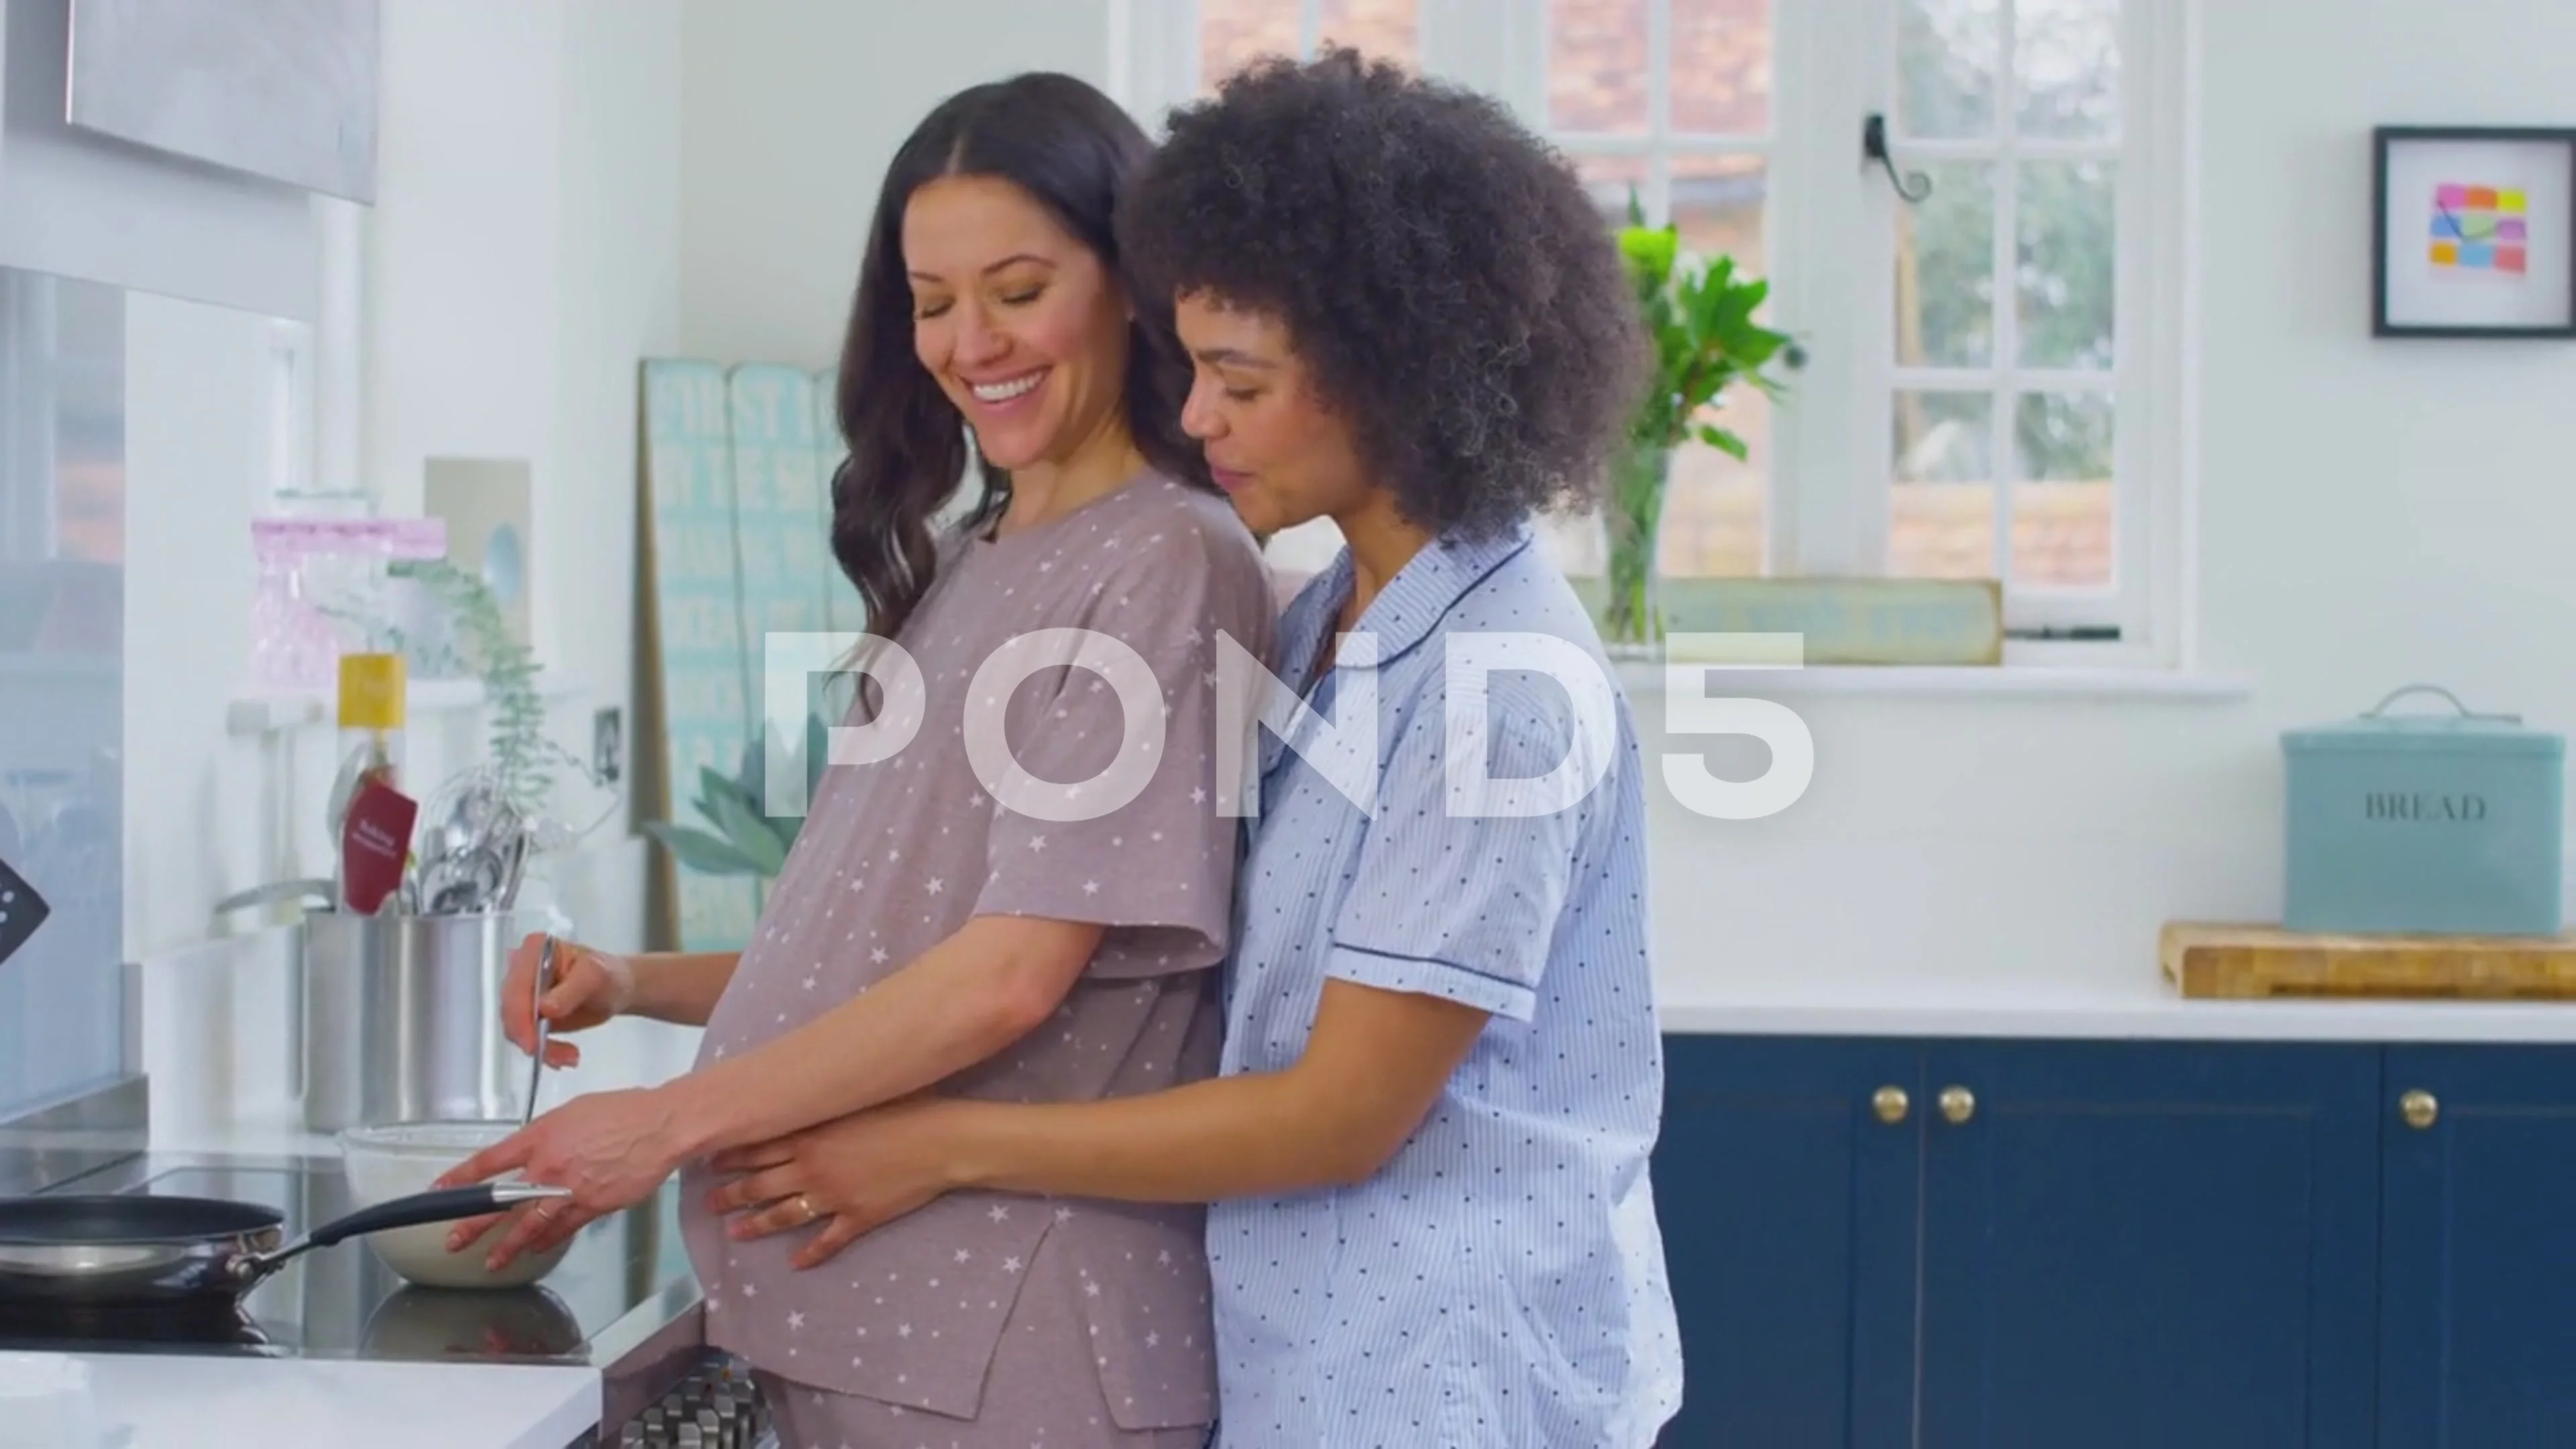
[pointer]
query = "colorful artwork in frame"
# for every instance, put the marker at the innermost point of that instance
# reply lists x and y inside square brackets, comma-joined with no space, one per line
[2474,232]
[2481,229]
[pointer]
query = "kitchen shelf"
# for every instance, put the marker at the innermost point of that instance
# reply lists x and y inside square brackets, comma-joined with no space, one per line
[268,712]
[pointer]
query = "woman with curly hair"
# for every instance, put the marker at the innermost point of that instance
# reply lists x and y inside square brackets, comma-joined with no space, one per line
[1427,1148]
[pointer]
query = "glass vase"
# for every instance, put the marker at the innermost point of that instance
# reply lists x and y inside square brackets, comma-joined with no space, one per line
[1631,613]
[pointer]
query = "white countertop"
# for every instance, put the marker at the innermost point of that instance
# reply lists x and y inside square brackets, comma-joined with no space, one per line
[2141,1007]
[168,1401]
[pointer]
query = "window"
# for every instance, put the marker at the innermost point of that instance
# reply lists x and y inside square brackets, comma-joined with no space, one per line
[1233,32]
[1992,375]
[2014,390]
[1668,103]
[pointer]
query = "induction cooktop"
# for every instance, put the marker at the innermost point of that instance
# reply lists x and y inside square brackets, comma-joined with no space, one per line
[624,1280]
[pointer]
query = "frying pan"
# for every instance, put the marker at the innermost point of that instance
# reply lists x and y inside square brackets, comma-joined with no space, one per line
[123,1251]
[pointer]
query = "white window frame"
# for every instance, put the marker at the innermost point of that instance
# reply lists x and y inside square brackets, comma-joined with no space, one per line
[2146,375]
[1830,234]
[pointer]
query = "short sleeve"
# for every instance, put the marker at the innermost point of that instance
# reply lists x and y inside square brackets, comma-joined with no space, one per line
[1159,869]
[1460,907]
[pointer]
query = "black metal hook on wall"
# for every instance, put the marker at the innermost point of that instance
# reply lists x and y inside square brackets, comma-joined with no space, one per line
[1913,185]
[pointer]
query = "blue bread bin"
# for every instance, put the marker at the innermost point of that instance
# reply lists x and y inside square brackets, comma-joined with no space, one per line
[2443,823]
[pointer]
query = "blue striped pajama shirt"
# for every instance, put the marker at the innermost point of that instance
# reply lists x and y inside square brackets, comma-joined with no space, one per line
[1500,1283]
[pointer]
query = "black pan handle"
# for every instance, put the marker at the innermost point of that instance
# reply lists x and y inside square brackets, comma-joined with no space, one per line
[445,1206]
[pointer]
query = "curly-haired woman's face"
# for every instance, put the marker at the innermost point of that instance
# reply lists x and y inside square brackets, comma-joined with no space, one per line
[1279,452]
[1023,327]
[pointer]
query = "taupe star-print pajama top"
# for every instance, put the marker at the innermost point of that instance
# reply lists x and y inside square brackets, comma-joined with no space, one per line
[1105,1304]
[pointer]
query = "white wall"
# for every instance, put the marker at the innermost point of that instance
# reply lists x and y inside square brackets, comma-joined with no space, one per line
[2370,514]
[521,259]
[520,263]
[794,108]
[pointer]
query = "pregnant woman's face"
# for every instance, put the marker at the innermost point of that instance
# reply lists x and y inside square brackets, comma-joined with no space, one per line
[1021,324]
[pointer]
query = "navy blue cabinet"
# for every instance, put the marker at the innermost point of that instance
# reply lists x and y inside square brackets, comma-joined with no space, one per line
[2139,1245]
[2001,1244]
[1788,1204]
[2478,1307]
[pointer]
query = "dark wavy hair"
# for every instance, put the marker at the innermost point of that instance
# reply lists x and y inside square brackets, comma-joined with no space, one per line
[1076,152]
[1439,269]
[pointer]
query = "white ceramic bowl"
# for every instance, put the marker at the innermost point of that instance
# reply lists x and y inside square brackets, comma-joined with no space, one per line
[383,1163]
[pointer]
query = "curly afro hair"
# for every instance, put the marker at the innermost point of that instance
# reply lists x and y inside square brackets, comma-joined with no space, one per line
[1439,269]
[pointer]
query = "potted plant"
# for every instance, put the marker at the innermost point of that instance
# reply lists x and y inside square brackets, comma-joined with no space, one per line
[1698,316]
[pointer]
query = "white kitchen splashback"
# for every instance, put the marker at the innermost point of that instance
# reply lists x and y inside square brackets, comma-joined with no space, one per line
[62,603]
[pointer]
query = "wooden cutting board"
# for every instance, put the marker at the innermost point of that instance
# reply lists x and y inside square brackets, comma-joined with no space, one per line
[2253,961]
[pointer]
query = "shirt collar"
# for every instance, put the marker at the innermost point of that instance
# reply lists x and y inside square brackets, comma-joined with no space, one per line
[1405,612]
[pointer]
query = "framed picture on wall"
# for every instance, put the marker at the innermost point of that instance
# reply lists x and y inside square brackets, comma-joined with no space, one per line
[2474,232]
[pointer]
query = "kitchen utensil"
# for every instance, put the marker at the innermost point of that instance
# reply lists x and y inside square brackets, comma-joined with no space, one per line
[401,1018]
[375,842]
[516,872]
[470,849]
[463,885]
[21,911]
[451,821]
[386,1164]
[314,893]
[537,1016]
[121,1250]
[362,766]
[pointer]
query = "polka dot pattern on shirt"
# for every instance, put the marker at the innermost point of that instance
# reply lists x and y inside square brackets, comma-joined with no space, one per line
[1500,1283]
[897,856]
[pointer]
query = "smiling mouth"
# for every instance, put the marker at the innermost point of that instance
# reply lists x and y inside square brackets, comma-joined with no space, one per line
[1002,392]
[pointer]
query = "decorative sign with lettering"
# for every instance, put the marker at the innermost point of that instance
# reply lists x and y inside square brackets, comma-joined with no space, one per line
[698,677]
[2399,806]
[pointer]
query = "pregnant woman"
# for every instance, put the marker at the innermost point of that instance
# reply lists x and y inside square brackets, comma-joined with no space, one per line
[1442,1078]
[943,925]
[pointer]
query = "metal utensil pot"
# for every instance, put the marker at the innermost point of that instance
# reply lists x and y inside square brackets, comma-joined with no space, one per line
[402,1019]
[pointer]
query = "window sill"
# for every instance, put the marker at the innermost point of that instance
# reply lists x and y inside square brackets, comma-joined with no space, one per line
[2008,680]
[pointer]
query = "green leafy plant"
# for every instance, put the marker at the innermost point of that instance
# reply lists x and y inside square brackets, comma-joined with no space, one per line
[523,759]
[471,637]
[744,838]
[1698,316]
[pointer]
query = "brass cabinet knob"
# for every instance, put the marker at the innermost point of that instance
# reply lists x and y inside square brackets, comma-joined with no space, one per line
[1891,1104]
[1958,1103]
[2419,1108]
